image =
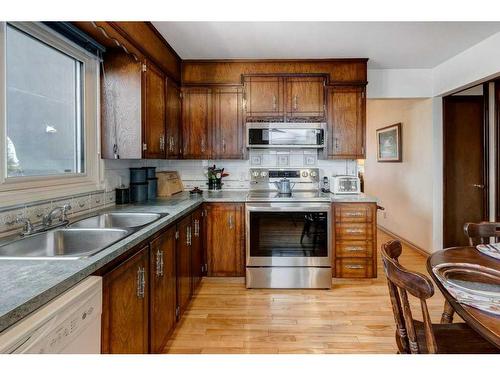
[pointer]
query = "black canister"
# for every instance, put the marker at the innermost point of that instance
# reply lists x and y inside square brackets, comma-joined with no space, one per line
[152,188]
[139,192]
[122,195]
[150,172]
[137,175]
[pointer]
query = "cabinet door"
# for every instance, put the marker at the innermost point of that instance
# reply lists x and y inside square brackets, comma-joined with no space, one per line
[197,261]
[173,137]
[196,123]
[154,113]
[184,264]
[228,141]
[225,248]
[305,98]
[163,289]
[121,106]
[346,122]
[264,98]
[125,306]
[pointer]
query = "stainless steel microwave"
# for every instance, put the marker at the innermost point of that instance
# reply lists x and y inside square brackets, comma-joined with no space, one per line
[285,135]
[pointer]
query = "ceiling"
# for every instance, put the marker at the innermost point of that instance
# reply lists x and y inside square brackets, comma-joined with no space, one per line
[388,45]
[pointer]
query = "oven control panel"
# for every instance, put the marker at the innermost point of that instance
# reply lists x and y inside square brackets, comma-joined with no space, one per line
[264,175]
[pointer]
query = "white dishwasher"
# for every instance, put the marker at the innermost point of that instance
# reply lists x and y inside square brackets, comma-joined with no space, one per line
[70,323]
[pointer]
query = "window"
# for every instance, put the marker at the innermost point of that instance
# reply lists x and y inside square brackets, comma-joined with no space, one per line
[43,101]
[49,109]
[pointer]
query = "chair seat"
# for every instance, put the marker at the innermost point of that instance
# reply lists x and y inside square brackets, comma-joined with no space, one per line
[454,338]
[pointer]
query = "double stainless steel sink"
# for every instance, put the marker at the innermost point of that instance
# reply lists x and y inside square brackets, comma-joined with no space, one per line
[81,239]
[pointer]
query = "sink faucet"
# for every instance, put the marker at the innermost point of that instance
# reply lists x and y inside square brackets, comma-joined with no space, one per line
[62,210]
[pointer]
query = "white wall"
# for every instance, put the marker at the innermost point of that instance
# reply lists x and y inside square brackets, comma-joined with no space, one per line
[404,189]
[470,67]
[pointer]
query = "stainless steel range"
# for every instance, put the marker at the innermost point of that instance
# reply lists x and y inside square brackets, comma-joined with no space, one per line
[288,235]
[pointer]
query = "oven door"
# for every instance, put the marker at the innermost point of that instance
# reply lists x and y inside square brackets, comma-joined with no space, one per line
[288,234]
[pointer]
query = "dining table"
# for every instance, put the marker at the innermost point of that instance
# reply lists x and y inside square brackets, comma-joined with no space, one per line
[484,323]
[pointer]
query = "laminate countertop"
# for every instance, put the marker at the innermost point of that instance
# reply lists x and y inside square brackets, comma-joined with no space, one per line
[27,285]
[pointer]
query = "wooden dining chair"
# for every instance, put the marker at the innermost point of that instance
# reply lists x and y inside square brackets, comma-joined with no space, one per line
[480,233]
[414,336]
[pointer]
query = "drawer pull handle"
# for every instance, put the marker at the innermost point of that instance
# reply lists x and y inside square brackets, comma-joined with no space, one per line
[354,214]
[354,248]
[354,267]
[354,230]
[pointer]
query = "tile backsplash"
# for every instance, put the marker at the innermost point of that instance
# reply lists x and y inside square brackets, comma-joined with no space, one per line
[80,204]
[193,172]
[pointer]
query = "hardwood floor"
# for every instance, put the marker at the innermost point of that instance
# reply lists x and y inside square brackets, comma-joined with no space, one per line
[355,316]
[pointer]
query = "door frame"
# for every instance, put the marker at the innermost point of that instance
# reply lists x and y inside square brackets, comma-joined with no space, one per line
[497,148]
[486,166]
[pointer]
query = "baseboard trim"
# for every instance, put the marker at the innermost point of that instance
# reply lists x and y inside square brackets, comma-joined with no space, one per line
[404,241]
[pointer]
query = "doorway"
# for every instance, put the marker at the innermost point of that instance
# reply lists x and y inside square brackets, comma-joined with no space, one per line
[465,160]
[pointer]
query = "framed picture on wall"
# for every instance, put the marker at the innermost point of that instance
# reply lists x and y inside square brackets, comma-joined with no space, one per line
[389,145]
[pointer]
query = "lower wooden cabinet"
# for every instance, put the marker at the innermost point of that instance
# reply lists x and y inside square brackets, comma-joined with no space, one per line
[163,301]
[144,296]
[126,306]
[355,239]
[184,290]
[225,239]
[197,243]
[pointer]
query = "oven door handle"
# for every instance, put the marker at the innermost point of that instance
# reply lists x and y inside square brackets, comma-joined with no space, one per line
[305,208]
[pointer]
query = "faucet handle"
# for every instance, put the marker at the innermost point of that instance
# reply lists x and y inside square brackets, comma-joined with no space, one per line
[64,212]
[28,227]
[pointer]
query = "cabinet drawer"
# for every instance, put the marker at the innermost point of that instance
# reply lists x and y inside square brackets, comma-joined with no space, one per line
[354,267]
[353,231]
[353,249]
[353,213]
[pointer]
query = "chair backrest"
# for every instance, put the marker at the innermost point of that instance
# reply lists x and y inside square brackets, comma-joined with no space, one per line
[479,233]
[401,282]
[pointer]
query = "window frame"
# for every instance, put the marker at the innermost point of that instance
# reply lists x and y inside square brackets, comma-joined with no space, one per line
[16,190]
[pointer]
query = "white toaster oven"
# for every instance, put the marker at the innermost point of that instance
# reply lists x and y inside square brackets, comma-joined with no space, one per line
[346,185]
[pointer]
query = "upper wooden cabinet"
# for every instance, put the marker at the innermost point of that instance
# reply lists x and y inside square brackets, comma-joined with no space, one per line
[346,122]
[284,98]
[196,122]
[173,132]
[154,112]
[133,108]
[225,239]
[125,307]
[264,98]
[305,98]
[228,127]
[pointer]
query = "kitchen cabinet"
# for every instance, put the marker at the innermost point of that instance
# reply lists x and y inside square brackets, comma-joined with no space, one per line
[163,289]
[197,256]
[173,120]
[225,239]
[228,126]
[154,112]
[346,122]
[183,259]
[196,122]
[305,98]
[355,239]
[264,98]
[133,108]
[294,98]
[126,306]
